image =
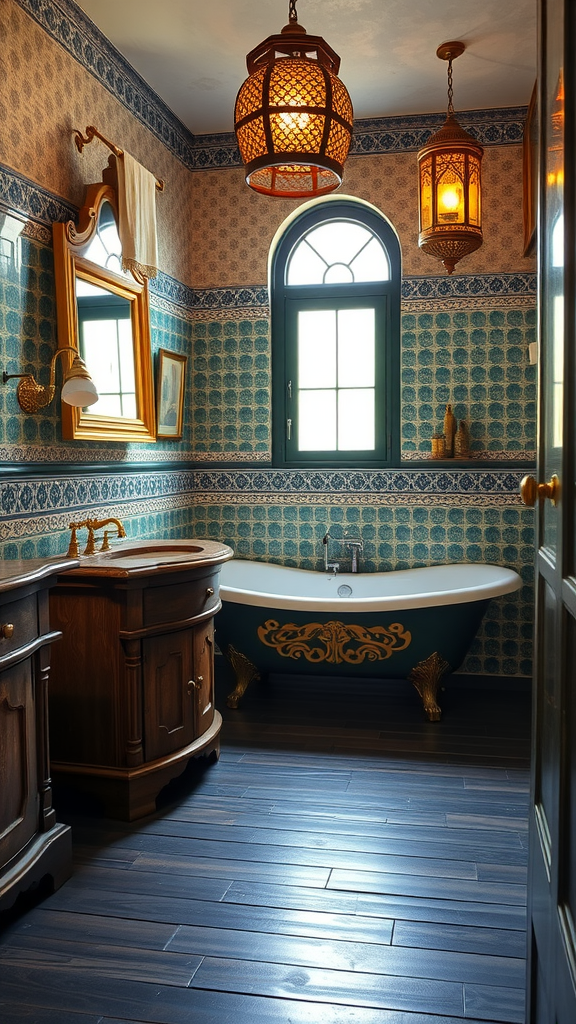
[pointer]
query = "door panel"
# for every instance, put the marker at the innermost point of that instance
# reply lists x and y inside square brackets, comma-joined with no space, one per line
[552,880]
[204,668]
[168,705]
[18,764]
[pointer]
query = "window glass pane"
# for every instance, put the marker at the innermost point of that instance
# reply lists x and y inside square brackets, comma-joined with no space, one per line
[317,348]
[356,348]
[339,241]
[356,419]
[100,351]
[129,405]
[126,356]
[338,273]
[305,266]
[371,264]
[317,421]
[108,405]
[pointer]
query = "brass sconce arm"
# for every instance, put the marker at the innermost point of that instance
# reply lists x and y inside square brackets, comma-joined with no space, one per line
[77,389]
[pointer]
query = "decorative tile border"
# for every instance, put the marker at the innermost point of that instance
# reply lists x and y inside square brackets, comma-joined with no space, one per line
[29,500]
[375,136]
[73,493]
[376,483]
[495,286]
[44,525]
[18,194]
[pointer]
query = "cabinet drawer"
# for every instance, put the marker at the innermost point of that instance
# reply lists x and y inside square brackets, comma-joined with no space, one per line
[177,602]
[19,619]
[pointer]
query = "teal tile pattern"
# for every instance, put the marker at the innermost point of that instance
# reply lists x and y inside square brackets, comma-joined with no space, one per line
[475,359]
[478,361]
[231,385]
[398,538]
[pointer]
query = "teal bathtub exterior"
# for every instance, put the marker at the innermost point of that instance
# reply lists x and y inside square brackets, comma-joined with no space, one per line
[417,643]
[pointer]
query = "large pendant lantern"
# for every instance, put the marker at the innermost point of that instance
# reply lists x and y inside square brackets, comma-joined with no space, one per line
[293,116]
[450,193]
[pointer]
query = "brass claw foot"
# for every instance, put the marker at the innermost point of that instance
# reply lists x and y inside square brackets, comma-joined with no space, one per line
[426,678]
[244,671]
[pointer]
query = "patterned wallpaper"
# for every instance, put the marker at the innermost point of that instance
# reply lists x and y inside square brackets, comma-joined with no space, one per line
[234,226]
[464,338]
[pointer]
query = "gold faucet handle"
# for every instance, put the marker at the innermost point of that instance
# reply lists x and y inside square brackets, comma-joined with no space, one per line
[90,546]
[105,542]
[73,551]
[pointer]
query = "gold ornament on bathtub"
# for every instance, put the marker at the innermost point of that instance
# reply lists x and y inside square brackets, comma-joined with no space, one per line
[334,641]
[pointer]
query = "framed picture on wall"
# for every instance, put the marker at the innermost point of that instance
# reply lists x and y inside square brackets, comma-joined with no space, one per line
[170,381]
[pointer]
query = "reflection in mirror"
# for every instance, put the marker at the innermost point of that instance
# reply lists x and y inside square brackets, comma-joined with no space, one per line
[105,248]
[106,345]
[103,311]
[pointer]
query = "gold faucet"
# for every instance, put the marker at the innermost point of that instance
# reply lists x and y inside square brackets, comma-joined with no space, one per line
[92,525]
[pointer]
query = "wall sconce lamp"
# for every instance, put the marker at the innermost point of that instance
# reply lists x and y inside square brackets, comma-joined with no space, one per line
[78,388]
[293,116]
[450,194]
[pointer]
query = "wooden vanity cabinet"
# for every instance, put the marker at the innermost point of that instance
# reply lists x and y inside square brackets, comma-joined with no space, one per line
[132,695]
[33,845]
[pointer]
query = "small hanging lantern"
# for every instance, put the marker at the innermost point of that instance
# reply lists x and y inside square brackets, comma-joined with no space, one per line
[450,194]
[293,116]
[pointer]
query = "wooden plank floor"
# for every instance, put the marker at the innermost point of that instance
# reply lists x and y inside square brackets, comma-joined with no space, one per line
[345,862]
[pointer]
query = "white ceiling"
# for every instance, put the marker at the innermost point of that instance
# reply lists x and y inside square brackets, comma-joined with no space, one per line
[192,52]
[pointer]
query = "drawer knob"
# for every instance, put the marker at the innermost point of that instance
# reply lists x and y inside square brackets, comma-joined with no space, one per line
[7,631]
[209,591]
[193,685]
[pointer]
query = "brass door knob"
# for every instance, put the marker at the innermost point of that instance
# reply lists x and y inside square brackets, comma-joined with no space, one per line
[531,491]
[7,631]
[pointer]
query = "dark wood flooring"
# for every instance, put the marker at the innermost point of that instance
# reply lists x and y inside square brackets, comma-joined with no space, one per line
[345,862]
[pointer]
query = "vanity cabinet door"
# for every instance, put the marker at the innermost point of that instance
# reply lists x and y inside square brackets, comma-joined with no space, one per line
[19,814]
[204,676]
[168,693]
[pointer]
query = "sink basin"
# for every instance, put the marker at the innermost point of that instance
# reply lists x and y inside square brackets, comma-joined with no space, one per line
[152,556]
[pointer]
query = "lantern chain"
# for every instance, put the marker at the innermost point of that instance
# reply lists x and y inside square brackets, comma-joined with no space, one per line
[450,90]
[292,15]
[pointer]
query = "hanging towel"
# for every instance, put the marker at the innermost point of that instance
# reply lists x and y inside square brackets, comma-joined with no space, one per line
[137,216]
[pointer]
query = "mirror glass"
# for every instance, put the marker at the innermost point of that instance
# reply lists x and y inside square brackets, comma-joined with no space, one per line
[103,311]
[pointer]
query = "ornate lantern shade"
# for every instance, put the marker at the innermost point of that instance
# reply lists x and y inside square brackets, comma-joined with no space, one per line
[450,189]
[293,116]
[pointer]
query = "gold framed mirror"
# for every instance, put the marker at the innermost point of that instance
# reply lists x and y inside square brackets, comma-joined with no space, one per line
[104,313]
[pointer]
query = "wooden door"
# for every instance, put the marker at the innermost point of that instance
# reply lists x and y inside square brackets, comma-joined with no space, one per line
[552,884]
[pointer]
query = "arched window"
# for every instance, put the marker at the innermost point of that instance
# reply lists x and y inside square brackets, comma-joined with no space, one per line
[335,291]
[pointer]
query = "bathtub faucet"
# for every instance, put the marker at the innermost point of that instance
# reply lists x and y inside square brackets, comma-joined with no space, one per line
[355,544]
[329,566]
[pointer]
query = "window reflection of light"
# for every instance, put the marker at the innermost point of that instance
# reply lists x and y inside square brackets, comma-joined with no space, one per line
[558,242]
[557,369]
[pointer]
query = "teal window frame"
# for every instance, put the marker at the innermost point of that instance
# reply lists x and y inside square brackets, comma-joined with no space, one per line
[286,303]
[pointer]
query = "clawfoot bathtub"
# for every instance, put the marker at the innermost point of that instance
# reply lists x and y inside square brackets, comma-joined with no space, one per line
[412,623]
